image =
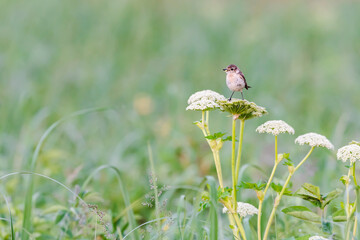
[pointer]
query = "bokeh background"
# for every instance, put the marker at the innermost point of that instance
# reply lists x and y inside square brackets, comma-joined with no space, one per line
[142,60]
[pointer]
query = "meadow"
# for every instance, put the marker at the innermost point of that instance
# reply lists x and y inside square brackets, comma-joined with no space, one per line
[118,74]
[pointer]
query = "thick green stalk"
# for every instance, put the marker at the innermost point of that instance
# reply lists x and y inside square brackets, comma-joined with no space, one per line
[356,202]
[233,216]
[267,187]
[278,198]
[218,167]
[233,164]
[347,207]
[234,228]
[238,159]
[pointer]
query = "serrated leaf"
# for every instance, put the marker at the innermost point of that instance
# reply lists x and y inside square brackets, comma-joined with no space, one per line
[278,188]
[215,136]
[330,196]
[310,193]
[224,193]
[255,186]
[303,213]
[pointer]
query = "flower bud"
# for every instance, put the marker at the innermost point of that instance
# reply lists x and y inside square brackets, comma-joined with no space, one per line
[260,195]
[291,169]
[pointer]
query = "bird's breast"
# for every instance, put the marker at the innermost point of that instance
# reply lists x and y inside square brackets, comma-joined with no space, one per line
[235,82]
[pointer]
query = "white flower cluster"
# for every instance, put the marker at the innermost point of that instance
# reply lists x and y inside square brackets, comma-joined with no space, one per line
[243,209]
[318,238]
[275,127]
[314,140]
[204,100]
[351,152]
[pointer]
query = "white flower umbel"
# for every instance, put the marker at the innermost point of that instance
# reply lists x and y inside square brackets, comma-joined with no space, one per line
[314,140]
[349,152]
[317,238]
[275,127]
[204,100]
[203,105]
[243,209]
[205,95]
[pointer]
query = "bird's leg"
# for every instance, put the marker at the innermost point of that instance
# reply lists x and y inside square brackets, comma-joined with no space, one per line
[231,96]
[242,95]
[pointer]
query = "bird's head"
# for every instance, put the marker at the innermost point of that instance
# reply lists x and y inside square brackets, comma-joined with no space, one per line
[231,68]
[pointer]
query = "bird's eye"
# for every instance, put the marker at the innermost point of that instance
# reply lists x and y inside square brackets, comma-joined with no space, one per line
[232,69]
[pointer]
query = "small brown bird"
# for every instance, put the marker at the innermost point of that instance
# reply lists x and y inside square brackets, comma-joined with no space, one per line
[235,80]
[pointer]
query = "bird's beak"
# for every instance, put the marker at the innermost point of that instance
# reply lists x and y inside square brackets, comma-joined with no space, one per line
[224,69]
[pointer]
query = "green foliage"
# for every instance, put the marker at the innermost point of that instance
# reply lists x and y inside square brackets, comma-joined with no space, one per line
[303,213]
[255,186]
[288,161]
[311,193]
[217,136]
[278,188]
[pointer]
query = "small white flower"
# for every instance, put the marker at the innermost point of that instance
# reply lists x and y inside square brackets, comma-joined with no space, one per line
[318,238]
[202,105]
[205,95]
[351,152]
[275,127]
[314,140]
[243,209]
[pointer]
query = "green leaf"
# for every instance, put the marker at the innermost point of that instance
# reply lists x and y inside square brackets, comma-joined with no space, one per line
[229,138]
[215,136]
[310,193]
[343,179]
[339,216]
[288,161]
[278,188]
[326,227]
[60,216]
[330,196]
[303,213]
[255,186]
[224,193]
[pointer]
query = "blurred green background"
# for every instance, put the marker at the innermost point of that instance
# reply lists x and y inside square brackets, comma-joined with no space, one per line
[143,59]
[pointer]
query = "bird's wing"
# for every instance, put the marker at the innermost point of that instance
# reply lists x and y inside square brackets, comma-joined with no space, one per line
[246,86]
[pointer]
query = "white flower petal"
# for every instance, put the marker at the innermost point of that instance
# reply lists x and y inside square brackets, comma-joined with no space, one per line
[314,140]
[275,127]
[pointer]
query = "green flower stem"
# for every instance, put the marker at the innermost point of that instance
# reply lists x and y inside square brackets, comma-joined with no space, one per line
[218,167]
[206,132]
[259,219]
[347,207]
[207,123]
[240,226]
[357,199]
[267,187]
[232,217]
[238,159]
[278,198]
[233,224]
[233,164]
[347,194]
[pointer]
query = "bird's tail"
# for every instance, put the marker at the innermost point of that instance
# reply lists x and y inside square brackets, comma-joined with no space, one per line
[247,87]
